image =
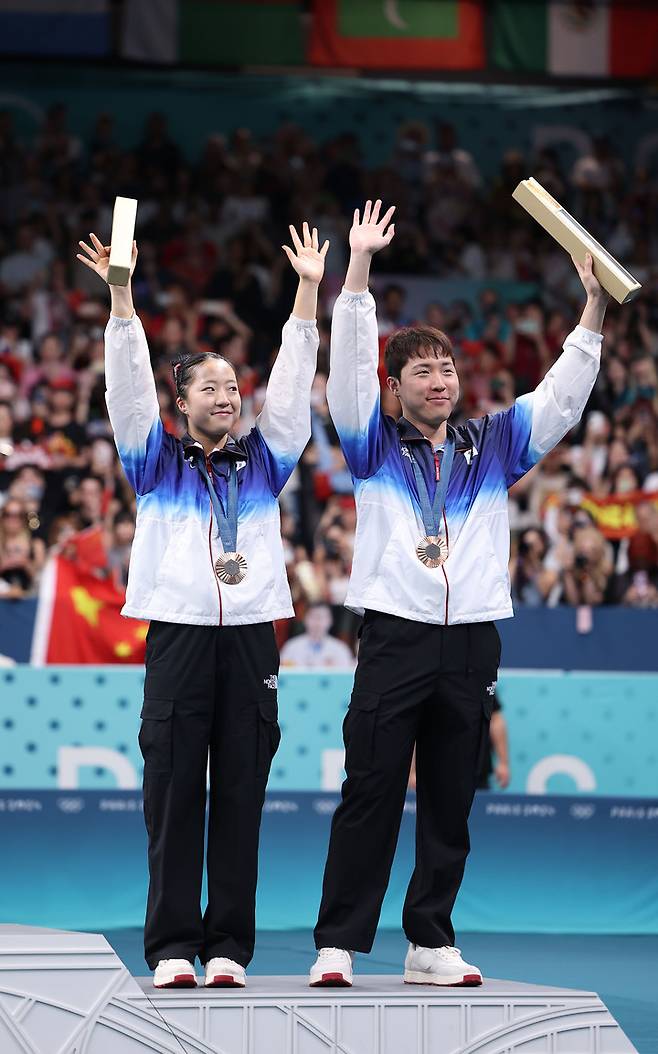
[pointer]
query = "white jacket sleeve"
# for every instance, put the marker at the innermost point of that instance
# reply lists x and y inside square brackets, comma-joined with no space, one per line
[284,423]
[353,385]
[538,421]
[132,402]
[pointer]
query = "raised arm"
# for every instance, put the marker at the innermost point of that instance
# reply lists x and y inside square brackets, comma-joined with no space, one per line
[284,424]
[538,421]
[353,384]
[131,398]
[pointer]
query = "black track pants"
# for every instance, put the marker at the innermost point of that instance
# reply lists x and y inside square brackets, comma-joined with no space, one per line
[414,683]
[208,690]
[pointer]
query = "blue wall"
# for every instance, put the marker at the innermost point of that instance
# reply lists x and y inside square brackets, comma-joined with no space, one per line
[554,865]
[76,727]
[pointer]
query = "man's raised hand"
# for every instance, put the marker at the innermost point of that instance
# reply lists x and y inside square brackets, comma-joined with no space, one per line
[591,284]
[597,298]
[98,257]
[309,260]
[371,234]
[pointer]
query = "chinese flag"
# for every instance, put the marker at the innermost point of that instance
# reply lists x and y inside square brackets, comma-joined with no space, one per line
[79,611]
[398,34]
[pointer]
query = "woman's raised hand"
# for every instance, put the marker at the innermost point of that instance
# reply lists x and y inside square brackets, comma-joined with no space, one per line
[309,260]
[98,257]
[371,234]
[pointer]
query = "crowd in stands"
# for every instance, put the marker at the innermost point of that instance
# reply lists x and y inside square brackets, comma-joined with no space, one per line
[211,274]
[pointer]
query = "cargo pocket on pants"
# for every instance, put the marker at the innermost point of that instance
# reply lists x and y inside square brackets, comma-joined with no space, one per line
[156,735]
[359,728]
[269,733]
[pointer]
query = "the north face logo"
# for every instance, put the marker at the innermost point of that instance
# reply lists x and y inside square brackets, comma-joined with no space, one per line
[272,681]
[491,688]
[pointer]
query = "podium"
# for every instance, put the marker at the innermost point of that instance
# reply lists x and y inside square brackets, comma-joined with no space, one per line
[64,993]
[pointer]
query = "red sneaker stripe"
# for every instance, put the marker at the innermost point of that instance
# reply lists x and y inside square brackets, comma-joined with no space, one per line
[181,980]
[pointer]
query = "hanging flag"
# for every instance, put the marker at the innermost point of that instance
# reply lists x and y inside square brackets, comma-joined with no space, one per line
[398,34]
[78,616]
[68,27]
[583,38]
[213,32]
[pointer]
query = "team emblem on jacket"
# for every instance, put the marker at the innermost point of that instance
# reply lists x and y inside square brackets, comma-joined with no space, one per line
[432,550]
[231,568]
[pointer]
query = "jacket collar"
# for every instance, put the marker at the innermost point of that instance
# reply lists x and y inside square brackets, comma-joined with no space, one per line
[408,433]
[192,449]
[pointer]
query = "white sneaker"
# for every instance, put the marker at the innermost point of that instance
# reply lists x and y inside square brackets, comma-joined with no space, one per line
[224,973]
[439,966]
[332,969]
[174,973]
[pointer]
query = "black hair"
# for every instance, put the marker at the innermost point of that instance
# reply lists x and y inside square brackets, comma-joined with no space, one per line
[415,342]
[183,367]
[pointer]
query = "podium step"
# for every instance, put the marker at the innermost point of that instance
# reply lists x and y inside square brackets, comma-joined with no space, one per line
[62,993]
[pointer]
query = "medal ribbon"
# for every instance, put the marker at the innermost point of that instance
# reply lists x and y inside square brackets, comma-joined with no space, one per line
[226,521]
[433,512]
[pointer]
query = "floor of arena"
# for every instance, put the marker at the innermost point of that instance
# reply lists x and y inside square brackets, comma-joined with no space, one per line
[623,970]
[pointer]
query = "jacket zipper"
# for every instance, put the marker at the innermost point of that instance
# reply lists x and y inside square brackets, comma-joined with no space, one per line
[443,567]
[437,471]
[212,563]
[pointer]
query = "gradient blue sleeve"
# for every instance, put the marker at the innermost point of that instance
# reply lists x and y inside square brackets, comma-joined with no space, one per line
[132,404]
[353,385]
[283,427]
[538,421]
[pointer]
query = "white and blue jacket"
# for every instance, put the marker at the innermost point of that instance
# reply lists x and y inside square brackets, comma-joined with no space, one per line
[491,454]
[171,576]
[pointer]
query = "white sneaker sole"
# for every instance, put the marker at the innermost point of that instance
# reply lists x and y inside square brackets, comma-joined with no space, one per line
[224,980]
[469,980]
[179,980]
[330,979]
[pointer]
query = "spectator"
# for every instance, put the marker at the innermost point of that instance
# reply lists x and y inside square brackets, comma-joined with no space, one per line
[393,315]
[25,263]
[496,756]
[532,579]
[587,570]
[21,556]
[316,646]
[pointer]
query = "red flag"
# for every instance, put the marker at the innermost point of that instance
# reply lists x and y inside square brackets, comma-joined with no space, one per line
[418,34]
[79,617]
[615,515]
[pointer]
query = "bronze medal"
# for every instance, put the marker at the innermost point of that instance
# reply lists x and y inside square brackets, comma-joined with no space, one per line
[231,568]
[432,550]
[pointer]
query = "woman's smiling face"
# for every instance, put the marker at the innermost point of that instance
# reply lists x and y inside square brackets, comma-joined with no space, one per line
[212,402]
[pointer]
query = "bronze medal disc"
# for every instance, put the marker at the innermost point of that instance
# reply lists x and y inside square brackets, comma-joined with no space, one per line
[231,568]
[432,551]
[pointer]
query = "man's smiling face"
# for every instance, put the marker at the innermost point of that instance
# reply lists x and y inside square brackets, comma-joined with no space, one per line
[428,388]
